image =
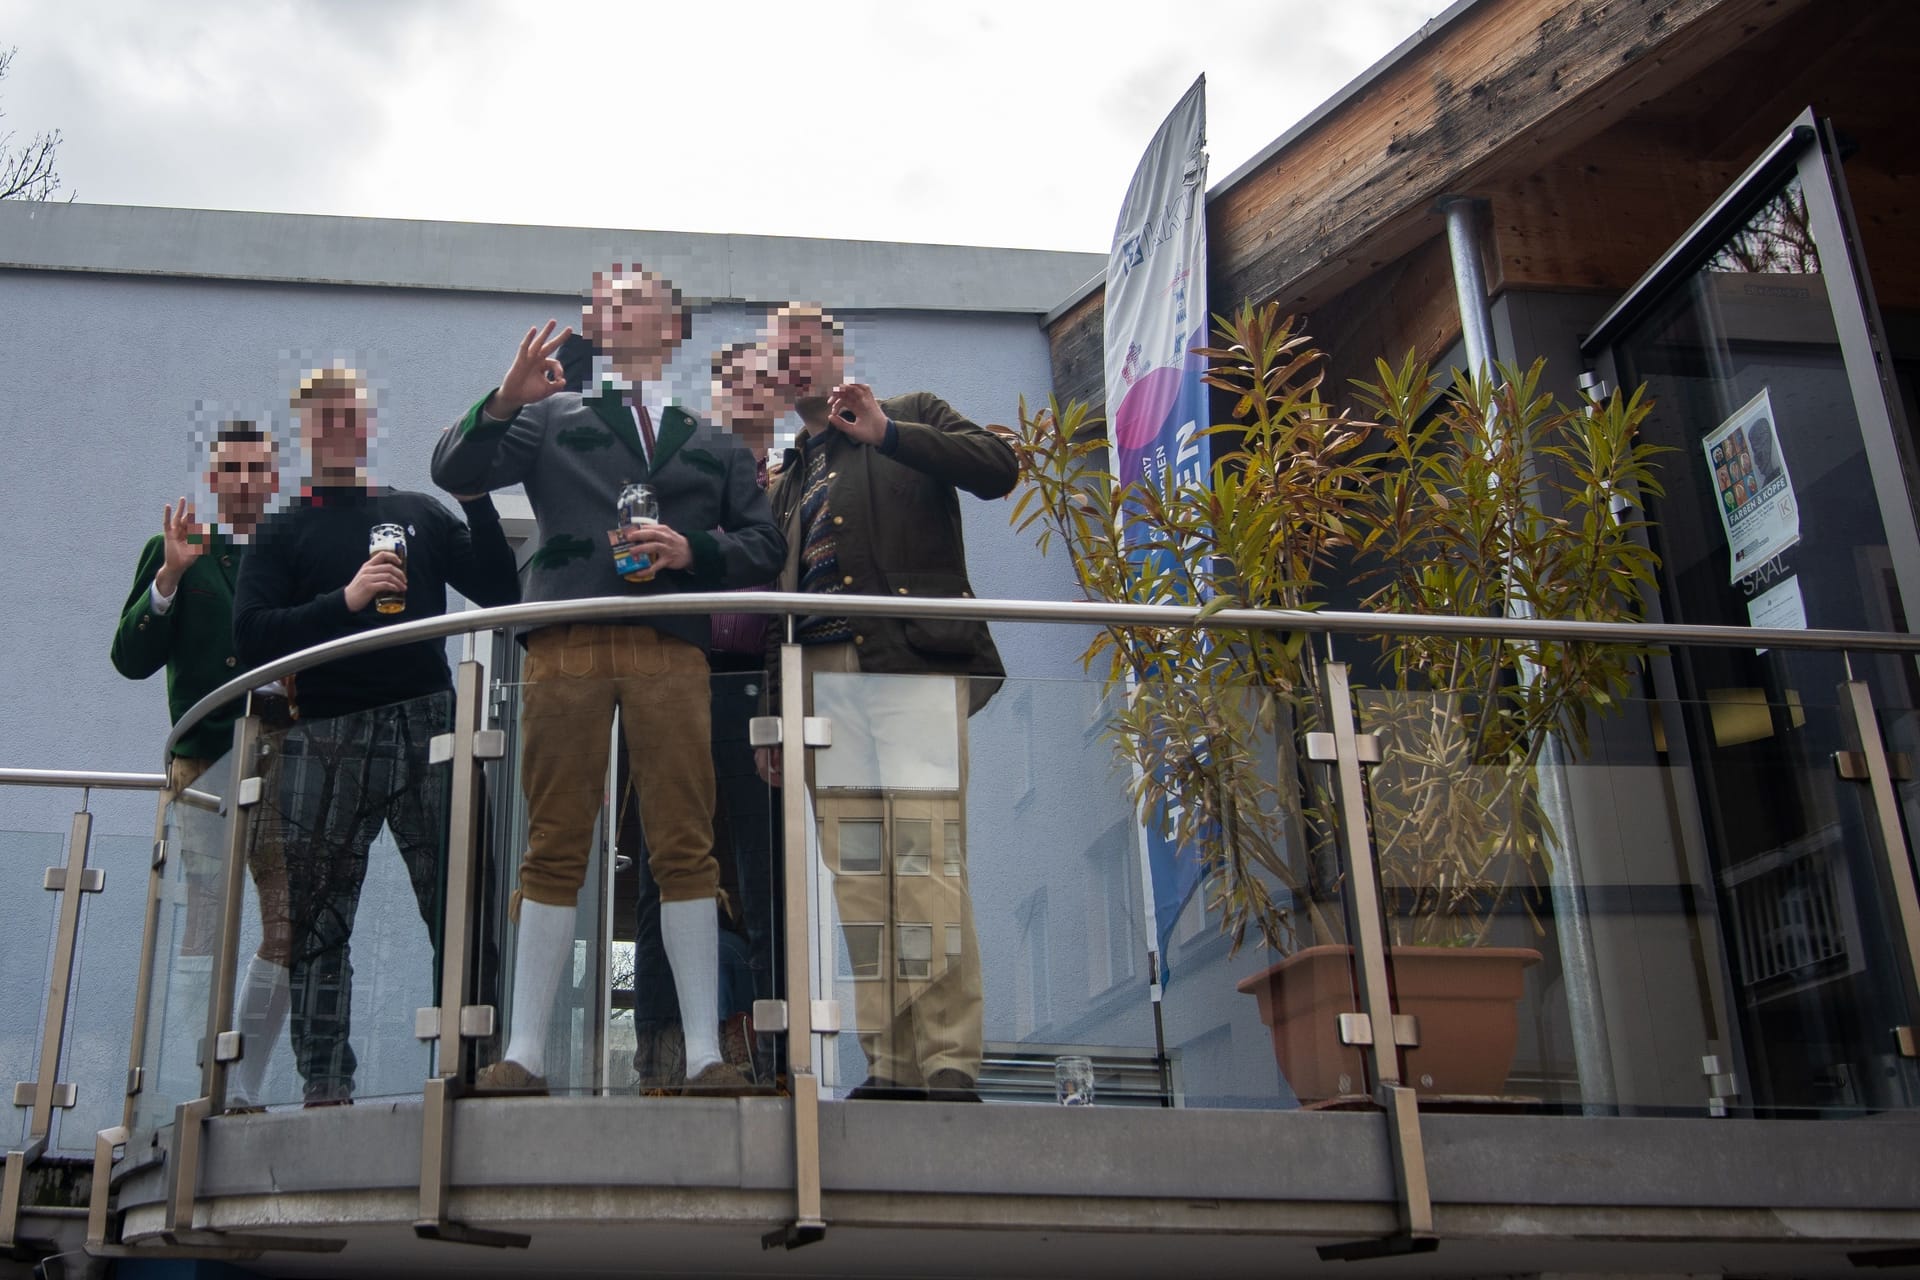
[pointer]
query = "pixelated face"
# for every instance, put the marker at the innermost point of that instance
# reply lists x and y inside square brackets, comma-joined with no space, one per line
[335,426]
[636,319]
[242,477]
[747,387]
[809,355]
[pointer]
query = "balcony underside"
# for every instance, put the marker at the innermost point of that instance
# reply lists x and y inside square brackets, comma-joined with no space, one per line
[688,1187]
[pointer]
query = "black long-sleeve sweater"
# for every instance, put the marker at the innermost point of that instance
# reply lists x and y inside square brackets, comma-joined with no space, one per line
[292,590]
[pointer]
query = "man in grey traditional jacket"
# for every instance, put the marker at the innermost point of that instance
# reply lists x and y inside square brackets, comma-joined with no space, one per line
[575,453]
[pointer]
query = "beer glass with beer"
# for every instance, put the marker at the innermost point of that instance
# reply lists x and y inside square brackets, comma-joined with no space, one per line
[639,505]
[389,537]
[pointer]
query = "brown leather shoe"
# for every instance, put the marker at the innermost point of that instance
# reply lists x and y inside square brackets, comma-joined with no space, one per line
[736,1045]
[949,1085]
[722,1080]
[659,1060]
[508,1078]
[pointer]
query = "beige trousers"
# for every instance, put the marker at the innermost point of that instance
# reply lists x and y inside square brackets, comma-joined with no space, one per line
[897,855]
[266,863]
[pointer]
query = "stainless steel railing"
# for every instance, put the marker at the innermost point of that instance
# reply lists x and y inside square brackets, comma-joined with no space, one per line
[454,1019]
[1083,612]
[41,1096]
[83,778]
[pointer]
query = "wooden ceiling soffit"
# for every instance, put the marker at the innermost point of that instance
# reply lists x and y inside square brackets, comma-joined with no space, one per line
[1566,225]
[1407,306]
[1504,89]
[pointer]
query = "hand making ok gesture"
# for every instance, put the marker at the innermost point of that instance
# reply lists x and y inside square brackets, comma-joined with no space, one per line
[533,375]
[183,542]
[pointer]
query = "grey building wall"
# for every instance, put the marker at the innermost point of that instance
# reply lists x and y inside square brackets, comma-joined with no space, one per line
[107,375]
[497,258]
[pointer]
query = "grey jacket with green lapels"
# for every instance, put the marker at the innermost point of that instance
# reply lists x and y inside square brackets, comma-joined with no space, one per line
[575,453]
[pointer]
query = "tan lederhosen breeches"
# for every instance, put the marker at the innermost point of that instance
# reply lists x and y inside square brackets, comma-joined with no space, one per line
[576,674]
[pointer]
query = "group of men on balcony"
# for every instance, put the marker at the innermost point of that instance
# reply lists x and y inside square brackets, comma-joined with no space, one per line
[864,504]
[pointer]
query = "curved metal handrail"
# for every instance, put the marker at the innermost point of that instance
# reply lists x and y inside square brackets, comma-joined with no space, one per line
[1071,612]
[83,778]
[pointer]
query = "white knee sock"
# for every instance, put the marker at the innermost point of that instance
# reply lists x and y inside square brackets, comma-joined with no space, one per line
[262,1014]
[691,932]
[545,946]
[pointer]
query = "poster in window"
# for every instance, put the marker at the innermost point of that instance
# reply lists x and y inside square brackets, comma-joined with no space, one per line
[1752,490]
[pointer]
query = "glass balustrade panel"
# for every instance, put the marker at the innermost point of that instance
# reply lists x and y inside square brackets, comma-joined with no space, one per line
[186,932]
[984,890]
[100,1008]
[343,907]
[1680,916]
[605,741]
[25,950]
[1894,684]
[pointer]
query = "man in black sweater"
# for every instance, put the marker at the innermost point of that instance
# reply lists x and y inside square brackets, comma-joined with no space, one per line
[357,757]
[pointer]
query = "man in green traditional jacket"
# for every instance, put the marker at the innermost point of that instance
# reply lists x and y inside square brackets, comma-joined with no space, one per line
[179,616]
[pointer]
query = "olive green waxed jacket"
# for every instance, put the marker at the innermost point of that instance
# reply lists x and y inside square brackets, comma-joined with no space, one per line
[897,532]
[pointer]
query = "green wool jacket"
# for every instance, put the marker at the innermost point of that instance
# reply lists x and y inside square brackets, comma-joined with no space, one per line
[193,640]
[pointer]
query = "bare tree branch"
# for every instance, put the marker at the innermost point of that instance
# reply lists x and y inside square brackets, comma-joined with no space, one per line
[1777,241]
[27,173]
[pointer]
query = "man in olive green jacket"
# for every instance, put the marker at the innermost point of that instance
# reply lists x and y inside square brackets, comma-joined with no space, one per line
[869,502]
[889,485]
[179,615]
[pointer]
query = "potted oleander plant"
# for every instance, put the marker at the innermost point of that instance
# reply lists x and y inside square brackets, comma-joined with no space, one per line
[1482,498]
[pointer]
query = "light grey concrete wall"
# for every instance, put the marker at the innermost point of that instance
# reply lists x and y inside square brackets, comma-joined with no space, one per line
[494,258]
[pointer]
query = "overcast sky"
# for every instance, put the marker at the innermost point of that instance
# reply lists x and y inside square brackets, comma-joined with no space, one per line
[975,123]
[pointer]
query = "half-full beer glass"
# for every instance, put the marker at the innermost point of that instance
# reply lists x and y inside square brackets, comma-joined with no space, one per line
[389,537]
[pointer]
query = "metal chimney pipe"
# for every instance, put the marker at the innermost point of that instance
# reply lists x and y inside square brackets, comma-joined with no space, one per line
[1470,281]
[1592,1058]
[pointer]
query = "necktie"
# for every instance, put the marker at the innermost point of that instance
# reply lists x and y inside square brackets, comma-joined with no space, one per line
[645,420]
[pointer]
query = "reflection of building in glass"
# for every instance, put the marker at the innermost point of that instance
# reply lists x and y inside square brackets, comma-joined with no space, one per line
[878,848]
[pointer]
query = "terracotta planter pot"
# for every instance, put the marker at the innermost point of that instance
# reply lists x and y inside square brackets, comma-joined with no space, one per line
[1466,999]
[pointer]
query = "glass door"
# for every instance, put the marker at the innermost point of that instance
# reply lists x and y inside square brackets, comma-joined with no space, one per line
[1788,504]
